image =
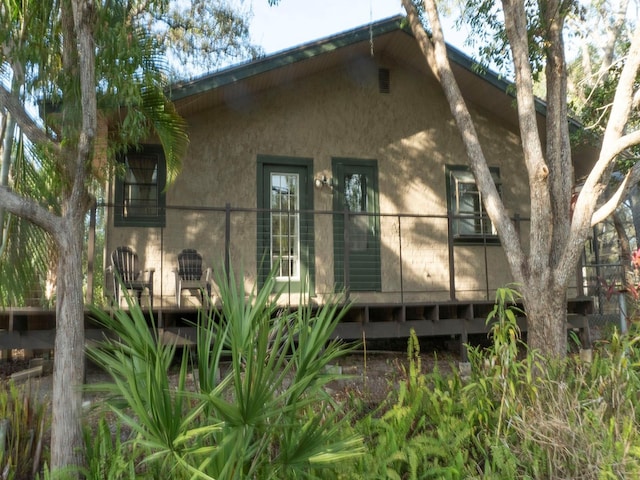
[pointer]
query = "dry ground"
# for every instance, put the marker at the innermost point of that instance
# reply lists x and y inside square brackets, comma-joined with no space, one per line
[368,375]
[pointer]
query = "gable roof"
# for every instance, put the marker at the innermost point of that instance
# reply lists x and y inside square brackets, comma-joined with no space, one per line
[389,37]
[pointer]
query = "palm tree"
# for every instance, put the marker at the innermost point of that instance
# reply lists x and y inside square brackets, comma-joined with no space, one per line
[90,67]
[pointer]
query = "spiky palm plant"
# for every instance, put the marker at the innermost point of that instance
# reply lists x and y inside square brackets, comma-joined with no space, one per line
[259,408]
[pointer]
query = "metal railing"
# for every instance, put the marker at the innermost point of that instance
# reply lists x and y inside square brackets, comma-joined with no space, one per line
[392,257]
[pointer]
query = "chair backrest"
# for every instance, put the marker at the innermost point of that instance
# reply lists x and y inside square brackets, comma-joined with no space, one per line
[189,265]
[125,264]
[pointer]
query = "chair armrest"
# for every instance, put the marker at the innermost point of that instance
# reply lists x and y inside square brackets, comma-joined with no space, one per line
[142,273]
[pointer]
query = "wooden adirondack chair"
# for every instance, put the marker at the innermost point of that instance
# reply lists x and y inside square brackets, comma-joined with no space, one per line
[190,275]
[128,276]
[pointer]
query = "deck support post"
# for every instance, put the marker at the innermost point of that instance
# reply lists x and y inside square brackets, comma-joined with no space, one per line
[464,340]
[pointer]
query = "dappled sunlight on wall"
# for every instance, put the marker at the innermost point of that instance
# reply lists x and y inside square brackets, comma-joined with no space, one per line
[339,111]
[414,258]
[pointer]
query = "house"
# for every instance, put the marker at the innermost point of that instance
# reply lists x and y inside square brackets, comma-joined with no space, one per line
[338,164]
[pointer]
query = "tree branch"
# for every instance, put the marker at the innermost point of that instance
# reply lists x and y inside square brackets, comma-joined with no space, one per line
[613,142]
[28,127]
[542,221]
[630,179]
[30,210]
[629,140]
[558,149]
[84,19]
[422,38]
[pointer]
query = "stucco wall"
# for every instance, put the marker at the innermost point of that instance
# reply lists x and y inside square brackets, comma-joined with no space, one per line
[338,113]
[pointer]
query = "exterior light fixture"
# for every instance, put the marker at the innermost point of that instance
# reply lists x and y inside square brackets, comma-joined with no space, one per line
[322,181]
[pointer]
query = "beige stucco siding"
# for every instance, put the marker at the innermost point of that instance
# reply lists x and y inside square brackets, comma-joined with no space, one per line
[339,113]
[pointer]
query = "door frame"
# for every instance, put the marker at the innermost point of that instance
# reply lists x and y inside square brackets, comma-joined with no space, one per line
[340,166]
[303,166]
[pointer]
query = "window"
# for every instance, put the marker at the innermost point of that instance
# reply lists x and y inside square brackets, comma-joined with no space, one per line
[139,195]
[285,225]
[355,200]
[470,221]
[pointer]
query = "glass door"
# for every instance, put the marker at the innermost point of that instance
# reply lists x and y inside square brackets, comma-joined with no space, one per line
[356,225]
[285,226]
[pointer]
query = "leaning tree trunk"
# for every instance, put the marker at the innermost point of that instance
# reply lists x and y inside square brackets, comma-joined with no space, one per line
[68,374]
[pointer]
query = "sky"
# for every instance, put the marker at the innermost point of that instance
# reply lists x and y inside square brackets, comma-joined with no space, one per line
[294,22]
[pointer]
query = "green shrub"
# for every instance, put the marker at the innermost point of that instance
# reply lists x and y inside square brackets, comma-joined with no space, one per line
[104,452]
[23,423]
[420,432]
[516,416]
[268,416]
[583,421]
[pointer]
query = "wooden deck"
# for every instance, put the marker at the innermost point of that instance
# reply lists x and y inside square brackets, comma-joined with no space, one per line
[33,329]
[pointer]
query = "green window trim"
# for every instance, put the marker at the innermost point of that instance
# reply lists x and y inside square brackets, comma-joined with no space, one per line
[140,198]
[470,223]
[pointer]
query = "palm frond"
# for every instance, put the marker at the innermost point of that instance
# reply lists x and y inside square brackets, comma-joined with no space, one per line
[169,126]
[24,276]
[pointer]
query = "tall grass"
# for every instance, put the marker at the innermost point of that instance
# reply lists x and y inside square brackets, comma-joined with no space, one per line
[23,425]
[516,416]
[258,409]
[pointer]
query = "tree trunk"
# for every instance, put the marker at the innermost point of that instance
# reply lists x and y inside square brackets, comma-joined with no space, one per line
[623,242]
[68,374]
[546,309]
[634,197]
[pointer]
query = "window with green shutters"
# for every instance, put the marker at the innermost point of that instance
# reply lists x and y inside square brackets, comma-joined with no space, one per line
[139,193]
[470,222]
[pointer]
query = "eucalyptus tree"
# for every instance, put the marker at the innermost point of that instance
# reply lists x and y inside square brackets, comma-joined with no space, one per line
[94,69]
[601,34]
[532,32]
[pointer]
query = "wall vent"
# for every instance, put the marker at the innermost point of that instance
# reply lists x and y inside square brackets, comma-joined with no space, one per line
[384,80]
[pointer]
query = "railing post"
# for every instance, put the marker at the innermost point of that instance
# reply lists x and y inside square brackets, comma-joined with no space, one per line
[160,318]
[400,255]
[289,257]
[452,268]
[347,241]
[596,252]
[486,260]
[227,239]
